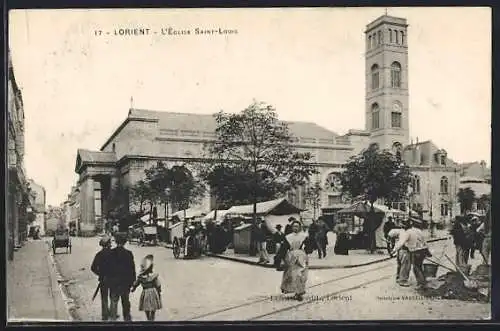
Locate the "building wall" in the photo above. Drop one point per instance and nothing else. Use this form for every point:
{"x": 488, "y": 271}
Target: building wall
{"x": 18, "y": 200}
{"x": 431, "y": 198}
{"x": 136, "y": 138}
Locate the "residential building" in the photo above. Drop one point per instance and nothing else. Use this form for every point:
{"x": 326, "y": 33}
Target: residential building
{"x": 18, "y": 198}
{"x": 38, "y": 204}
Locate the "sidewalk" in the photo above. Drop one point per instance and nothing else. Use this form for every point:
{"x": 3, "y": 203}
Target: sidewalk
{"x": 32, "y": 290}
{"x": 356, "y": 258}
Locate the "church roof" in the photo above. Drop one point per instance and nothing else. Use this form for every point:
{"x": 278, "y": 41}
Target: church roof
{"x": 425, "y": 156}
{"x": 207, "y": 123}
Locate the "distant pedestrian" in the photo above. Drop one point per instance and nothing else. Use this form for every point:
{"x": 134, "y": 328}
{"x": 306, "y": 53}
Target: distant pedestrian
{"x": 261, "y": 240}
{"x": 463, "y": 238}
{"x": 342, "y": 241}
{"x": 101, "y": 267}
{"x": 278, "y": 237}
{"x": 320, "y": 237}
{"x": 288, "y": 227}
{"x": 485, "y": 230}
{"x": 122, "y": 276}
{"x": 388, "y": 226}
{"x": 477, "y": 236}
{"x": 150, "y": 300}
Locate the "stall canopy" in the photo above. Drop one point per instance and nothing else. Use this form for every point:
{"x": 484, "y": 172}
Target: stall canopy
{"x": 361, "y": 208}
{"x": 221, "y": 213}
{"x": 274, "y": 212}
{"x": 188, "y": 214}
{"x": 273, "y": 207}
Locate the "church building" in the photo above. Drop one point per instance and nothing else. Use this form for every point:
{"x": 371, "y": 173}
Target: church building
{"x": 147, "y": 136}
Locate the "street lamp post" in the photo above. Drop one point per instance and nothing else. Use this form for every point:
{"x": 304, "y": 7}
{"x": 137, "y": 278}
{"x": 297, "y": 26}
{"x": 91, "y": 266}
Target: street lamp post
{"x": 167, "y": 195}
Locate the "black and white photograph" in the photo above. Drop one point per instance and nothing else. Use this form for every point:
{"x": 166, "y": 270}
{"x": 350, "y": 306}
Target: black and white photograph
{"x": 251, "y": 164}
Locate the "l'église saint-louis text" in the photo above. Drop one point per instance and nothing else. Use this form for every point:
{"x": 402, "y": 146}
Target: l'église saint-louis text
{"x": 172, "y": 31}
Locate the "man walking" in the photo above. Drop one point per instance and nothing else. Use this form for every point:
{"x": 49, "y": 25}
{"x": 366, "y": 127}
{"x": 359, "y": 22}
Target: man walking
{"x": 122, "y": 276}
{"x": 320, "y": 237}
{"x": 100, "y": 267}
{"x": 260, "y": 238}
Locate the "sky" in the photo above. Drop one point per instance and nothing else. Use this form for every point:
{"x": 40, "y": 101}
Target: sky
{"x": 309, "y": 63}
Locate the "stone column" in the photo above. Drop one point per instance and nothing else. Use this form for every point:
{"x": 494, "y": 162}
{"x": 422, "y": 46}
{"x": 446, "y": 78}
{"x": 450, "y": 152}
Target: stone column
{"x": 87, "y": 225}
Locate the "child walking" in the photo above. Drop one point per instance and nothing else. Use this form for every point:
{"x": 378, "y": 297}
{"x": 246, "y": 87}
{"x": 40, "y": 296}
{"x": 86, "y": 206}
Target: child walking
{"x": 150, "y": 300}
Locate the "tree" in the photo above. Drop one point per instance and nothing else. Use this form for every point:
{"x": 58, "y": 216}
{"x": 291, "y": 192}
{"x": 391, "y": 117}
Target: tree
{"x": 185, "y": 189}
{"x": 257, "y": 147}
{"x": 141, "y": 193}
{"x": 375, "y": 174}
{"x": 484, "y": 202}
{"x": 313, "y": 196}
{"x": 466, "y": 198}
{"x": 159, "y": 178}
{"x": 117, "y": 203}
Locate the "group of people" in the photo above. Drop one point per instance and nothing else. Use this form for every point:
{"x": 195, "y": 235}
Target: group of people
{"x": 410, "y": 247}
{"x": 117, "y": 276}
{"x": 471, "y": 233}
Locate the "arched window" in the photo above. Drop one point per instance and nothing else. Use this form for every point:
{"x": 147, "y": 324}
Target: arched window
{"x": 397, "y": 149}
{"x": 375, "y": 77}
{"x": 375, "y": 116}
{"x": 415, "y": 184}
{"x": 396, "y": 37}
{"x": 396, "y": 75}
{"x": 444, "y": 185}
{"x": 402, "y": 38}
{"x": 390, "y": 36}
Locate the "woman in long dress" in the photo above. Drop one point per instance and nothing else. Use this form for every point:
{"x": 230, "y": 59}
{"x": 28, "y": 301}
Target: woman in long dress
{"x": 295, "y": 262}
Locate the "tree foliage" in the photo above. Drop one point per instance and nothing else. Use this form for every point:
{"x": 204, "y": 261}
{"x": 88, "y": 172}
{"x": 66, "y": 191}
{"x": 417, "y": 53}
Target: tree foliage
{"x": 175, "y": 186}
{"x": 372, "y": 175}
{"x": 484, "y": 202}
{"x": 253, "y": 157}
{"x": 376, "y": 174}
{"x": 466, "y": 197}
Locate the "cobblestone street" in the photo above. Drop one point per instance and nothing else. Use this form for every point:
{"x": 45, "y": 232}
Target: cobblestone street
{"x": 216, "y": 289}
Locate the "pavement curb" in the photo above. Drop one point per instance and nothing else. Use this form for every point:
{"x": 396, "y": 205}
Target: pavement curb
{"x": 270, "y": 266}
{"x": 57, "y": 281}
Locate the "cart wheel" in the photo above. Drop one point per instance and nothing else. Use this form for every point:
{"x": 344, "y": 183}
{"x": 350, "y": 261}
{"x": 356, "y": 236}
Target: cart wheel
{"x": 176, "y": 248}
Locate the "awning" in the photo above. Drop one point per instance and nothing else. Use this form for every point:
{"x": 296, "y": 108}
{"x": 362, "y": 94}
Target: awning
{"x": 189, "y": 214}
{"x": 275, "y": 207}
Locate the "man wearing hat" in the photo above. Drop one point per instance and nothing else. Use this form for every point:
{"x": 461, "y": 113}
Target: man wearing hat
{"x": 415, "y": 241}
{"x": 403, "y": 254}
{"x": 100, "y": 267}
{"x": 122, "y": 277}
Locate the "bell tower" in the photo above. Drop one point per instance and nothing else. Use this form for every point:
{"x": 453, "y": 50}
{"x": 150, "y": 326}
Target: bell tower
{"x": 386, "y": 61}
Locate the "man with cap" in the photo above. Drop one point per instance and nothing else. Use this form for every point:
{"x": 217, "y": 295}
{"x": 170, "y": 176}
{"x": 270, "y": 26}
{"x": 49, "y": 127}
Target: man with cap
{"x": 413, "y": 238}
{"x": 100, "y": 267}
{"x": 403, "y": 254}
{"x": 122, "y": 277}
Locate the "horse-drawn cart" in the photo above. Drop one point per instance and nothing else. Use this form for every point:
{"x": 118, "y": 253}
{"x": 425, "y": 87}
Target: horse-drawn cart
{"x": 61, "y": 240}
{"x": 191, "y": 245}
{"x": 149, "y": 235}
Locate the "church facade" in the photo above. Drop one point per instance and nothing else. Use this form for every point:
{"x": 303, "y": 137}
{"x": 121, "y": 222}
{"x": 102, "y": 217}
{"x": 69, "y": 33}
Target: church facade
{"x": 146, "y": 137}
